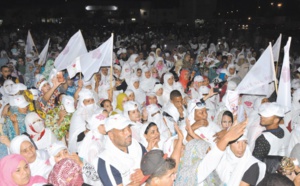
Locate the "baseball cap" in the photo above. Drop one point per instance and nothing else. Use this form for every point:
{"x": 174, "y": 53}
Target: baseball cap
{"x": 68, "y": 103}
{"x": 55, "y": 148}
{"x": 17, "y": 87}
{"x": 18, "y": 101}
{"x": 271, "y": 109}
{"x": 151, "y": 162}
{"x": 198, "y": 79}
{"x": 117, "y": 121}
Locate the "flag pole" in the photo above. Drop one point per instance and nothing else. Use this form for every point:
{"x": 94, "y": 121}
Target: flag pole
{"x": 275, "y": 80}
{"x": 276, "y": 68}
{"x": 111, "y": 67}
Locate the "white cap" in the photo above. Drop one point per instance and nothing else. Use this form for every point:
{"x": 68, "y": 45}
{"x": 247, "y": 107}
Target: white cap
{"x": 55, "y": 148}
{"x": 231, "y": 85}
{"x": 17, "y": 87}
{"x": 204, "y": 89}
{"x": 152, "y": 108}
{"x": 153, "y": 46}
{"x": 68, "y": 103}
{"x": 18, "y": 101}
{"x": 157, "y": 87}
{"x": 271, "y": 109}
{"x": 35, "y": 93}
{"x": 40, "y": 80}
{"x": 198, "y": 79}
{"x": 117, "y": 121}
{"x": 98, "y": 118}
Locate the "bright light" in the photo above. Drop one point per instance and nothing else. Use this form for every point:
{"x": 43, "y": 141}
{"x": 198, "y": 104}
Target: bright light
{"x": 237, "y": 10}
{"x": 279, "y": 5}
{"x": 133, "y": 19}
{"x": 258, "y": 7}
{"x": 249, "y": 18}
{"x": 272, "y": 4}
{"x": 231, "y": 11}
{"x": 88, "y": 8}
{"x": 219, "y": 13}
{"x": 230, "y": 29}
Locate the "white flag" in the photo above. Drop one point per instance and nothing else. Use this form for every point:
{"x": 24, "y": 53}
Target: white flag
{"x": 43, "y": 54}
{"x": 102, "y": 56}
{"x": 29, "y": 44}
{"x": 276, "y": 49}
{"x": 75, "y": 47}
{"x": 284, "y": 89}
{"x": 74, "y": 68}
{"x": 232, "y": 101}
{"x": 259, "y": 77}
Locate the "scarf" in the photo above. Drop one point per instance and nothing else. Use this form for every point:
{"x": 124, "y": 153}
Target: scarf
{"x": 182, "y": 79}
{"x": 35, "y": 126}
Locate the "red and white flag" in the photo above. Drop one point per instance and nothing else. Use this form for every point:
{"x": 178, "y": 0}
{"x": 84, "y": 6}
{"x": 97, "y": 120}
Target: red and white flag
{"x": 284, "y": 89}
{"x": 29, "y": 44}
{"x": 75, "y": 47}
{"x": 43, "y": 54}
{"x": 74, "y": 68}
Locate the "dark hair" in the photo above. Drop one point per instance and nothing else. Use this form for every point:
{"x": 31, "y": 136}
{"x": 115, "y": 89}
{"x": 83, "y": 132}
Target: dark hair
{"x": 103, "y": 102}
{"x": 4, "y": 66}
{"x": 174, "y": 94}
{"x": 167, "y": 165}
{"x": 275, "y": 179}
{"x": 228, "y": 113}
{"x": 151, "y": 124}
{"x": 57, "y": 98}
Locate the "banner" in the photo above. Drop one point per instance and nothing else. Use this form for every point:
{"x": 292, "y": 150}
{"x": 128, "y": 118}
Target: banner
{"x": 276, "y": 49}
{"x": 29, "y": 44}
{"x": 43, "y": 54}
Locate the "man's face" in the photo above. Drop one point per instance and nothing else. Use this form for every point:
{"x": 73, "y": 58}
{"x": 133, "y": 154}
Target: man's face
{"x": 121, "y": 138}
{"x": 266, "y": 121}
{"x": 104, "y": 71}
{"x": 177, "y": 101}
{"x": 200, "y": 114}
{"x": 89, "y": 101}
{"x": 5, "y": 72}
{"x": 238, "y": 148}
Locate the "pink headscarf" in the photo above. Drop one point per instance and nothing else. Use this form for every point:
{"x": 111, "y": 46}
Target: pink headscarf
{"x": 8, "y": 165}
{"x": 63, "y": 170}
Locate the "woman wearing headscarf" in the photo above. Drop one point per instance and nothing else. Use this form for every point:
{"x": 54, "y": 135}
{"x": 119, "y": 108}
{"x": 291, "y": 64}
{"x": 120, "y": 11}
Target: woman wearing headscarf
{"x": 160, "y": 66}
{"x": 29, "y": 76}
{"x": 86, "y": 106}
{"x": 238, "y": 166}
{"x": 224, "y": 119}
{"x": 132, "y": 112}
{"x": 134, "y": 85}
{"x": 14, "y": 171}
{"x": 59, "y": 151}
{"x": 150, "y": 136}
{"x": 66, "y": 172}
{"x": 194, "y": 153}
{"x": 35, "y": 127}
{"x": 184, "y": 78}
{"x": 231, "y": 72}
{"x": 121, "y": 99}
{"x": 158, "y": 90}
{"x": 38, "y": 160}
{"x": 176, "y": 69}
{"x": 168, "y": 87}
{"x": 15, "y": 123}
{"x": 58, "y": 120}
{"x": 147, "y": 81}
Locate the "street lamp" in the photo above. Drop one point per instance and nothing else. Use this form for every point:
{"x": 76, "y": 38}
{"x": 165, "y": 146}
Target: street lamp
{"x": 279, "y": 5}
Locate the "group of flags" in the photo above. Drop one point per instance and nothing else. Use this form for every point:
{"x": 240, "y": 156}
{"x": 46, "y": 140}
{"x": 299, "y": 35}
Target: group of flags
{"x": 75, "y": 57}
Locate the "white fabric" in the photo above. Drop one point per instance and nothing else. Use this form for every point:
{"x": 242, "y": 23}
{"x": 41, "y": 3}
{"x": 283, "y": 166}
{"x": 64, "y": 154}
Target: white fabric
{"x": 147, "y": 84}
{"x": 40, "y": 166}
{"x": 125, "y": 163}
{"x": 276, "y": 48}
{"x": 73, "y": 49}
{"x": 43, "y": 54}
{"x": 29, "y": 44}
{"x": 279, "y": 146}
{"x": 15, "y": 143}
{"x": 231, "y": 168}
{"x": 47, "y": 140}
{"x": 295, "y": 138}
{"x": 140, "y": 95}
{"x": 284, "y": 88}
{"x": 167, "y": 88}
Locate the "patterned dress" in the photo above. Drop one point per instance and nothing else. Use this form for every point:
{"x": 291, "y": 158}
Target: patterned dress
{"x": 52, "y": 117}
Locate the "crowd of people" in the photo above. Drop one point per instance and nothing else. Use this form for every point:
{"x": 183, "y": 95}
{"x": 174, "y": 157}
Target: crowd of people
{"x": 157, "y": 116}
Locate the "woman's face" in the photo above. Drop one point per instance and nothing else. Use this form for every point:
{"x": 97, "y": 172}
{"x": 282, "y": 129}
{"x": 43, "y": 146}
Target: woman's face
{"x": 231, "y": 71}
{"x": 226, "y": 121}
{"x": 171, "y": 80}
{"x": 117, "y": 71}
{"x": 152, "y": 99}
{"x": 21, "y": 175}
{"x": 147, "y": 74}
{"x": 125, "y": 99}
{"x": 30, "y": 68}
{"x": 136, "y": 84}
{"x": 159, "y": 92}
{"x": 61, "y": 155}
{"x": 186, "y": 75}
{"x": 134, "y": 115}
{"x": 107, "y": 106}
{"x": 139, "y": 73}
{"x": 131, "y": 97}
{"x": 23, "y": 110}
{"x": 45, "y": 88}
{"x": 27, "y": 150}
{"x": 89, "y": 101}
{"x": 152, "y": 134}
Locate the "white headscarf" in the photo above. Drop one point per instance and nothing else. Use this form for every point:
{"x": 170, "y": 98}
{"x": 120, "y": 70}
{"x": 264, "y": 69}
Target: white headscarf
{"x": 140, "y": 95}
{"x": 147, "y": 84}
{"x": 35, "y": 126}
{"x": 15, "y": 143}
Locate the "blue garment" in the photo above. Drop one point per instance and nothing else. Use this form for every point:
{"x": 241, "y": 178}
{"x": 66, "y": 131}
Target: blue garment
{"x": 3, "y": 151}
{"x": 8, "y": 128}
{"x": 71, "y": 90}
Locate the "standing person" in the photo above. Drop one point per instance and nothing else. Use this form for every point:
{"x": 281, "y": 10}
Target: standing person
{"x": 6, "y": 74}
{"x": 275, "y": 139}
{"x": 119, "y": 163}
